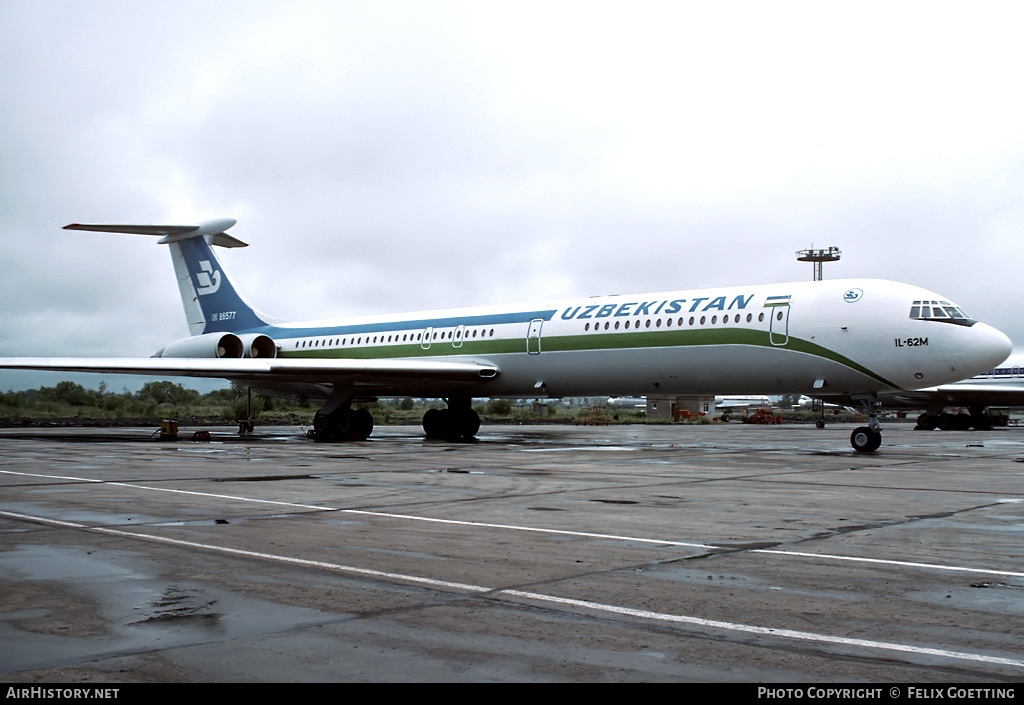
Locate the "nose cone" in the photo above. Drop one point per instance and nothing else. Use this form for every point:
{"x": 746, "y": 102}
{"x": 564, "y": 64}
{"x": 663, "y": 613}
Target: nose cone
{"x": 987, "y": 348}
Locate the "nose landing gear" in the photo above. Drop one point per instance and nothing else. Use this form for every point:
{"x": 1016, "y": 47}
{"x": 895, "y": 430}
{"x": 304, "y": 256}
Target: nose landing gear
{"x": 867, "y": 439}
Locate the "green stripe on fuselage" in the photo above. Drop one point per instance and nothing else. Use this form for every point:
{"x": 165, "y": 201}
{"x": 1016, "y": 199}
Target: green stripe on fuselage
{"x": 704, "y": 337}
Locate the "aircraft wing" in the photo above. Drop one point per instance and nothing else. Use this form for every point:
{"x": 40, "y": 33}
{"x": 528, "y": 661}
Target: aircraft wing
{"x": 343, "y": 372}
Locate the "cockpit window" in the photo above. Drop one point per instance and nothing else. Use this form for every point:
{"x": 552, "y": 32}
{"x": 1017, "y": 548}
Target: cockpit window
{"x": 941, "y": 311}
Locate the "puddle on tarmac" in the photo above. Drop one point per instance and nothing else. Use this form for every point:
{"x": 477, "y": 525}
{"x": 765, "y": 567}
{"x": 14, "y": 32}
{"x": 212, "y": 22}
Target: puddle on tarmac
{"x": 137, "y": 609}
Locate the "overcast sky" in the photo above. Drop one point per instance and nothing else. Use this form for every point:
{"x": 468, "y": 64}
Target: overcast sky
{"x": 395, "y": 156}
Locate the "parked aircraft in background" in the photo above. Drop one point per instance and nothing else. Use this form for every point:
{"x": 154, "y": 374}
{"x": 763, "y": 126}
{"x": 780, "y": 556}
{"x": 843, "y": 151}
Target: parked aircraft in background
{"x": 723, "y": 404}
{"x": 728, "y": 406}
{"x": 626, "y": 403}
{"x": 742, "y": 401}
{"x": 858, "y": 338}
{"x": 812, "y": 404}
{"x": 1001, "y": 386}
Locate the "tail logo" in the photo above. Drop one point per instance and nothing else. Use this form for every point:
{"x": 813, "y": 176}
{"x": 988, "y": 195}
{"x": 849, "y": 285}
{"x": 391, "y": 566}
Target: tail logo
{"x": 208, "y": 278}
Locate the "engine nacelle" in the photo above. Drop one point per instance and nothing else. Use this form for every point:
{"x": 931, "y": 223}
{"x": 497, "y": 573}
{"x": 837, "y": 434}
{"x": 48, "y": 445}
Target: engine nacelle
{"x": 258, "y": 345}
{"x": 208, "y": 345}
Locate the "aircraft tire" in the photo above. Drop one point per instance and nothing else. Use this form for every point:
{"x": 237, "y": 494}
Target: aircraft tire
{"x": 467, "y": 423}
{"x": 434, "y": 422}
{"x": 450, "y": 425}
{"x": 865, "y": 440}
{"x": 337, "y": 425}
{"x": 321, "y": 426}
{"x": 982, "y": 422}
{"x": 361, "y": 424}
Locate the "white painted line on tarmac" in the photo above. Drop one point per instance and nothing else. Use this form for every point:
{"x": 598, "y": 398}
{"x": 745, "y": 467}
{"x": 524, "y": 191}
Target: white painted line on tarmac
{"x": 248, "y": 554}
{"x": 547, "y": 599}
{"x": 168, "y": 489}
{"x": 770, "y": 631}
{"x": 513, "y": 527}
{"x": 407, "y": 517}
{"x": 908, "y": 564}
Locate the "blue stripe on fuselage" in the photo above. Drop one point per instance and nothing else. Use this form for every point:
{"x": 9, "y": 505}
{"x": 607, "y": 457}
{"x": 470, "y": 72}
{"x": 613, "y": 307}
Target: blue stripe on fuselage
{"x": 492, "y": 319}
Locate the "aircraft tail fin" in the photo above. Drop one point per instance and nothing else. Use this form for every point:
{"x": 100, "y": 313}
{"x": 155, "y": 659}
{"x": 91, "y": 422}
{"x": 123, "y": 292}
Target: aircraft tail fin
{"x": 211, "y": 303}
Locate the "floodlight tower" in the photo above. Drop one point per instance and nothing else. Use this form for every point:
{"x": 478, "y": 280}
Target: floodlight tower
{"x": 832, "y": 254}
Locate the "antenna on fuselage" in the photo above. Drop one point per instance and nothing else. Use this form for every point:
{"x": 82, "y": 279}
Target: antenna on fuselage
{"x": 832, "y": 254}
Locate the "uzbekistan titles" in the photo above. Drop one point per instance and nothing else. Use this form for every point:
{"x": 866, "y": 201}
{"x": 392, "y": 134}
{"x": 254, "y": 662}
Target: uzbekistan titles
{"x": 653, "y": 308}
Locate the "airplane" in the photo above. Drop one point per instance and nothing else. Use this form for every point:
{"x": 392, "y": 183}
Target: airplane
{"x": 726, "y": 406}
{"x": 1002, "y": 386}
{"x": 626, "y": 403}
{"x": 742, "y": 401}
{"x": 855, "y": 337}
{"x": 806, "y": 402}
{"x": 730, "y": 403}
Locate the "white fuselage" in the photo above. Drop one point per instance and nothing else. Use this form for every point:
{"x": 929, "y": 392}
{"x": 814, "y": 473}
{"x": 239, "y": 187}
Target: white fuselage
{"x": 841, "y": 337}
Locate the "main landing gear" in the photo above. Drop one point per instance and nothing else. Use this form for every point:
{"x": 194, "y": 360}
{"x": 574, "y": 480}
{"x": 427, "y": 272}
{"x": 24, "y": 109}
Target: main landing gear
{"x": 342, "y": 424}
{"x": 456, "y": 423}
{"x": 867, "y": 439}
{"x": 978, "y": 419}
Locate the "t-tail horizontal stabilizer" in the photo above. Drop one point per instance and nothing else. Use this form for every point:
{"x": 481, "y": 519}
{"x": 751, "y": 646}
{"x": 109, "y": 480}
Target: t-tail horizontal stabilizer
{"x": 211, "y": 303}
{"x": 172, "y": 233}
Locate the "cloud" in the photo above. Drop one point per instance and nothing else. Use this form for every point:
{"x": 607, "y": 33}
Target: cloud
{"x": 391, "y": 156}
